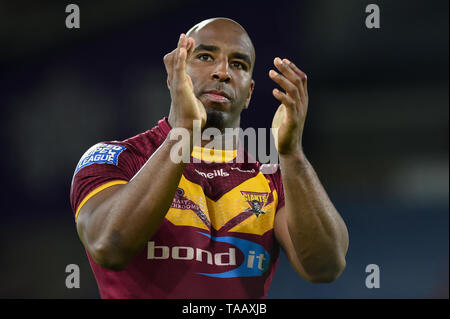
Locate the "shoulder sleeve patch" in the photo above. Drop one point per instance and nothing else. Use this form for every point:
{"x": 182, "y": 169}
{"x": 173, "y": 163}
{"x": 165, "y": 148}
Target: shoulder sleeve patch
{"x": 100, "y": 154}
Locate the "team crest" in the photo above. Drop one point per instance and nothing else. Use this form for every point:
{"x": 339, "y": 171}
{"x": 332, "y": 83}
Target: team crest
{"x": 257, "y": 202}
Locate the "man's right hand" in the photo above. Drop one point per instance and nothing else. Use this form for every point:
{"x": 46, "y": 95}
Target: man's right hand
{"x": 185, "y": 106}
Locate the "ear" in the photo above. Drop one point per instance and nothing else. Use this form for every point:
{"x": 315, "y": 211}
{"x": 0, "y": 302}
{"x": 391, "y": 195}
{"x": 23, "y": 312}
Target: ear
{"x": 250, "y": 91}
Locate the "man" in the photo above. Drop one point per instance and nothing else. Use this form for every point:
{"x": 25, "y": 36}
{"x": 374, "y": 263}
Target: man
{"x": 158, "y": 228}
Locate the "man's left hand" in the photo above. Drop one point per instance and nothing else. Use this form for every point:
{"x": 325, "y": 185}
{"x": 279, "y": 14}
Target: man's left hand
{"x": 291, "y": 114}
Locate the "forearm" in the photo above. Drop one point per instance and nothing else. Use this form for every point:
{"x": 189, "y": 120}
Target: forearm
{"x": 133, "y": 214}
{"x": 127, "y": 216}
{"x": 317, "y": 231}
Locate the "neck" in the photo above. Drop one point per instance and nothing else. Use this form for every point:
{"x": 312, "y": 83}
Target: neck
{"x": 225, "y": 141}
{"x": 225, "y": 137}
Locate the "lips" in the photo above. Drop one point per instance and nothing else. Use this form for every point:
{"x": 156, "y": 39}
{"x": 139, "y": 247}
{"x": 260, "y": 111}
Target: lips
{"x": 217, "y": 96}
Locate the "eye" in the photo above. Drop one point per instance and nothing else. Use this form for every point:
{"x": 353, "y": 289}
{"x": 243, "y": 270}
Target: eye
{"x": 239, "y": 65}
{"x": 205, "y": 57}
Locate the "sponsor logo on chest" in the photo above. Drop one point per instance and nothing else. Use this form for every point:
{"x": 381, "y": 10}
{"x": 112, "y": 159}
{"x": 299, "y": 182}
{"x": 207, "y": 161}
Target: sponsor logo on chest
{"x": 255, "y": 263}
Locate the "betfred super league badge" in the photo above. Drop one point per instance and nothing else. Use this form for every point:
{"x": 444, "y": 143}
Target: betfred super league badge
{"x": 256, "y": 200}
{"x": 100, "y": 154}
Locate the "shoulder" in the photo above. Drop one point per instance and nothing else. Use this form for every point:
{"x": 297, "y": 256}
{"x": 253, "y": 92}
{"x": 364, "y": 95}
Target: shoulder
{"x": 272, "y": 172}
{"x": 269, "y": 169}
{"x": 147, "y": 142}
{"x": 101, "y": 153}
{"x": 130, "y": 151}
{"x": 120, "y": 154}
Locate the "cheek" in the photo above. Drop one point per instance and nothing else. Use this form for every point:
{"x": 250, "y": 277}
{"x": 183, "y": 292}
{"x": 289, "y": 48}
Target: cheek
{"x": 245, "y": 89}
{"x": 189, "y": 70}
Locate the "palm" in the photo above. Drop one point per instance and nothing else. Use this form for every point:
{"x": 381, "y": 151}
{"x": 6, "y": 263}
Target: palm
{"x": 200, "y": 108}
{"x": 283, "y": 130}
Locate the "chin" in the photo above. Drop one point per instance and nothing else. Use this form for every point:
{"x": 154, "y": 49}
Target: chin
{"x": 215, "y": 118}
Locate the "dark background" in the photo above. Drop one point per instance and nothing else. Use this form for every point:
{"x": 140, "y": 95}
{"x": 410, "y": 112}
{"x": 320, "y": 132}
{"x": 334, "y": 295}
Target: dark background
{"x": 376, "y": 131}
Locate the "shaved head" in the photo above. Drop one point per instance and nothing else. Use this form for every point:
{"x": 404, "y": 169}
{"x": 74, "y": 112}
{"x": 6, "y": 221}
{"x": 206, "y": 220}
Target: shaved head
{"x": 204, "y": 23}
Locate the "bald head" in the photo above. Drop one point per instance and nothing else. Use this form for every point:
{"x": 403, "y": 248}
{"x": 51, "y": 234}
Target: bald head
{"x": 226, "y": 28}
{"x": 224, "y": 21}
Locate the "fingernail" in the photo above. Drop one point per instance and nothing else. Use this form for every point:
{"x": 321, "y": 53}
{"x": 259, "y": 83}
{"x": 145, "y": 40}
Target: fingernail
{"x": 286, "y": 61}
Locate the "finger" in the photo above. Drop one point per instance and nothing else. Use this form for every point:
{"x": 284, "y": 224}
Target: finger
{"x": 287, "y": 102}
{"x": 180, "y": 40}
{"x": 305, "y": 84}
{"x": 284, "y": 99}
{"x": 184, "y": 42}
{"x": 179, "y": 67}
{"x": 290, "y": 74}
{"x": 287, "y": 85}
{"x": 300, "y": 73}
{"x": 189, "y": 43}
{"x": 168, "y": 63}
{"x": 189, "y": 80}
{"x": 295, "y": 68}
{"x": 191, "y": 46}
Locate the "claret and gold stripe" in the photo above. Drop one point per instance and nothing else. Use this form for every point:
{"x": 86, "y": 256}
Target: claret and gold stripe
{"x": 96, "y": 191}
{"x": 213, "y": 155}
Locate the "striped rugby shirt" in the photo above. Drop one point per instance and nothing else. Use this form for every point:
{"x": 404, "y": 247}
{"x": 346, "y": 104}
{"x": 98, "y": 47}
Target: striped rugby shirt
{"x": 217, "y": 239}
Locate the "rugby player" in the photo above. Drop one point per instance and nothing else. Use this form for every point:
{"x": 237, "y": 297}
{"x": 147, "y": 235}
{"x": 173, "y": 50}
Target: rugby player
{"x": 153, "y": 227}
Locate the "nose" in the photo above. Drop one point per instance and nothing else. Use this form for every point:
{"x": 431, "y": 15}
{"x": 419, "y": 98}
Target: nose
{"x": 221, "y": 73}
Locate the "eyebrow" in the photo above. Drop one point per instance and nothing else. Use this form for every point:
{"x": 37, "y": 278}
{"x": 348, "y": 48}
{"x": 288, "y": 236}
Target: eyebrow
{"x": 204, "y": 47}
{"x": 213, "y": 48}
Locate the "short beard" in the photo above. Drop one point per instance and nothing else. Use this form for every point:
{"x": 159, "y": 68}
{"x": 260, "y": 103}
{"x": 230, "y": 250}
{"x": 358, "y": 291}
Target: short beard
{"x": 215, "y": 119}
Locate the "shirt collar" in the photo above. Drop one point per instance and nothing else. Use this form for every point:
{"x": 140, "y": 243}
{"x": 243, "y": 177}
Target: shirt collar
{"x": 202, "y": 153}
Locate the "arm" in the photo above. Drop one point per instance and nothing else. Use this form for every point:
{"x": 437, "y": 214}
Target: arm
{"x": 309, "y": 227}
{"x": 318, "y": 233}
{"x": 116, "y": 223}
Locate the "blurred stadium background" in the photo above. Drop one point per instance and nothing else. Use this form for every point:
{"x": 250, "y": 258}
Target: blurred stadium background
{"x": 376, "y": 133}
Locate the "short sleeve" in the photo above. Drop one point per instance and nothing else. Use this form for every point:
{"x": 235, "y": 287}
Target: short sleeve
{"x": 273, "y": 173}
{"x": 102, "y": 166}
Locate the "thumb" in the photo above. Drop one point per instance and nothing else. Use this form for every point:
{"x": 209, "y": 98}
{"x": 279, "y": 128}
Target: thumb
{"x": 189, "y": 80}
